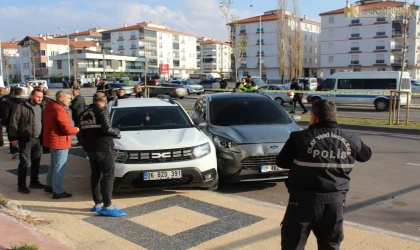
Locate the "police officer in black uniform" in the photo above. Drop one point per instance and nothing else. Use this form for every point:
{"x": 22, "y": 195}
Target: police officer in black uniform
{"x": 320, "y": 160}
{"x": 297, "y": 98}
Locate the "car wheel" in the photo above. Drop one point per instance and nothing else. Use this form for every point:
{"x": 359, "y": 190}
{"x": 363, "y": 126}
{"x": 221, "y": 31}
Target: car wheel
{"x": 381, "y": 105}
{"x": 182, "y": 97}
{"x": 198, "y": 93}
{"x": 279, "y": 100}
{"x": 215, "y": 186}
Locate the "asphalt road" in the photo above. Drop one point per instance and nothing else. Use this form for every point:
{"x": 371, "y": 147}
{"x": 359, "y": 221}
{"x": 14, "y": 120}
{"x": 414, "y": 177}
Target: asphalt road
{"x": 344, "y": 111}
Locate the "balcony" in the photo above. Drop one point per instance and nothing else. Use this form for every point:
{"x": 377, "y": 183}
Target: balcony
{"x": 381, "y": 34}
{"x": 183, "y": 58}
{"x": 183, "y": 42}
{"x": 381, "y": 20}
{"x": 397, "y": 48}
{"x": 147, "y": 37}
{"x": 133, "y": 67}
{"x": 397, "y": 33}
{"x": 260, "y": 30}
{"x": 149, "y": 47}
{"x": 397, "y": 62}
{"x": 151, "y": 55}
{"x": 355, "y": 36}
{"x": 354, "y": 50}
{"x": 133, "y": 38}
{"x": 398, "y": 19}
{"x": 120, "y": 38}
{"x": 153, "y": 64}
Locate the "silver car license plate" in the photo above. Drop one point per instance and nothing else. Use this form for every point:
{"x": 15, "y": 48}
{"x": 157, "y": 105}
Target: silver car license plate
{"x": 270, "y": 168}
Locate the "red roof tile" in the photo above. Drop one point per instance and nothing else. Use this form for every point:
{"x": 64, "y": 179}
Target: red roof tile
{"x": 8, "y": 45}
{"x": 62, "y": 41}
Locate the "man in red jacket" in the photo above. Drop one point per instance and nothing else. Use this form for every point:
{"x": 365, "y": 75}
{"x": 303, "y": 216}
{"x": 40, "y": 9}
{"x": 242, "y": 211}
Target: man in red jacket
{"x": 57, "y": 137}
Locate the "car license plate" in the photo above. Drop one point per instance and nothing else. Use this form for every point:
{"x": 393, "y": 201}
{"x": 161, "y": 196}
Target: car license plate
{"x": 270, "y": 168}
{"x": 162, "y": 175}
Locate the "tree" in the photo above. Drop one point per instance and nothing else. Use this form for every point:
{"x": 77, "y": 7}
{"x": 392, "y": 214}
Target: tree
{"x": 73, "y": 49}
{"x": 296, "y": 41}
{"x": 35, "y": 58}
{"x": 282, "y": 38}
{"x": 5, "y": 56}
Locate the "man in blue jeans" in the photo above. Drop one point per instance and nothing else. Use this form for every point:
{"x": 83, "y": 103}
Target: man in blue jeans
{"x": 57, "y": 136}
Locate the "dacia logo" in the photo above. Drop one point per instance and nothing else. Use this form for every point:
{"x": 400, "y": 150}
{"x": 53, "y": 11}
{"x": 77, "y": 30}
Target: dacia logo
{"x": 160, "y": 155}
{"x": 352, "y": 11}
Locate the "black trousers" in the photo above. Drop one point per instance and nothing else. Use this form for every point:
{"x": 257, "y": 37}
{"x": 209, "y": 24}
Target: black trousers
{"x": 325, "y": 220}
{"x": 298, "y": 100}
{"x": 1, "y": 134}
{"x": 29, "y": 154}
{"x": 76, "y": 124}
{"x": 102, "y": 163}
{"x": 13, "y": 150}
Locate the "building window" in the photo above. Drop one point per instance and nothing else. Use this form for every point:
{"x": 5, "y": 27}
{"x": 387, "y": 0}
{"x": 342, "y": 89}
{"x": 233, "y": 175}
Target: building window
{"x": 306, "y": 37}
{"x": 355, "y": 21}
{"x": 42, "y": 52}
{"x": 310, "y": 49}
{"x": 330, "y": 33}
{"x": 357, "y": 70}
{"x": 354, "y": 46}
{"x": 380, "y": 58}
{"x": 381, "y": 69}
{"x": 260, "y": 28}
{"x": 380, "y": 45}
{"x": 160, "y": 45}
{"x": 310, "y": 60}
{"x": 243, "y": 29}
{"x": 120, "y": 36}
{"x": 120, "y": 45}
{"x": 331, "y": 59}
{"x": 380, "y": 30}
{"x": 332, "y": 71}
{"x": 354, "y": 59}
{"x": 355, "y": 32}
{"x": 305, "y": 61}
{"x": 316, "y": 60}
{"x": 310, "y": 38}
{"x": 331, "y": 46}
{"x": 245, "y": 73}
{"x": 262, "y": 40}
{"x": 305, "y": 49}
{"x": 316, "y": 50}
{"x": 59, "y": 64}
{"x": 331, "y": 19}
{"x": 316, "y": 39}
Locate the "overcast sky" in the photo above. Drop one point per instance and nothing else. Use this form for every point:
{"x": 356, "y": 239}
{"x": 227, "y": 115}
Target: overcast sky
{"x": 19, "y": 18}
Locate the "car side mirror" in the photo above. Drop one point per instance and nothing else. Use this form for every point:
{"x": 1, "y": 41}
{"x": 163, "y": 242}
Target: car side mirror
{"x": 202, "y": 124}
{"x": 296, "y": 118}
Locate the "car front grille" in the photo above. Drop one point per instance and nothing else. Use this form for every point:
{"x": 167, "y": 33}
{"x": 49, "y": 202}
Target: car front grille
{"x": 140, "y": 183}
{"x": 254, "y": 163}
{"x": 159, "y": 156}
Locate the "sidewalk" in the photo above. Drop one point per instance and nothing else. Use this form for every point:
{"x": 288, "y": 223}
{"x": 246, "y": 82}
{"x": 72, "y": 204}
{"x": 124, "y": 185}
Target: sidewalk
{"x": 181, "y": 219}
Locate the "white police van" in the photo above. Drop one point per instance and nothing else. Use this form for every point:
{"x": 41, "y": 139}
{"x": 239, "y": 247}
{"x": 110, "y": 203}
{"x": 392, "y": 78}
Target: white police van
{"x": 372, "y": 88}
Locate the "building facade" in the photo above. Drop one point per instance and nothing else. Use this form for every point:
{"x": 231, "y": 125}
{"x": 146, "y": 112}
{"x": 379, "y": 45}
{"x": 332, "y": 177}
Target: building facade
{"x": 92, "y": 35}
{"x": 91, "y": 64}
{"x": 10, "y": 61}
{"x": 35, "y": 53}
{"x": 166, "y": 52}
{"x": 215, "y": 57}
{"x": 250, "y": 63}
{"x": 373, "y": 43}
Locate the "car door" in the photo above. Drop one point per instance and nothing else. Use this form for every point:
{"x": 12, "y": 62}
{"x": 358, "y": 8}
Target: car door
{"x": 415, "y": 86}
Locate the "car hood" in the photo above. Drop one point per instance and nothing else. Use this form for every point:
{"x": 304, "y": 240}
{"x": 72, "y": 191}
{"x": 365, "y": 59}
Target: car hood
{"x": 195, "y": 86}
{"x": 160, "y": 139}
{"x": 255, "y": 133}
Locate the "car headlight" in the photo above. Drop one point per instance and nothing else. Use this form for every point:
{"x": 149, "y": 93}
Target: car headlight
{"x": 201, "y": 151}
{"x": 120, "y": 156}
{"x": 224, "y": 143}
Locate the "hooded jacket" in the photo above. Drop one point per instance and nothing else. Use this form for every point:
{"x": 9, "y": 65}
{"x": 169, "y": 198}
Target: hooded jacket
{"x": 9, "y": 108}
{"x": 57, "y": 128}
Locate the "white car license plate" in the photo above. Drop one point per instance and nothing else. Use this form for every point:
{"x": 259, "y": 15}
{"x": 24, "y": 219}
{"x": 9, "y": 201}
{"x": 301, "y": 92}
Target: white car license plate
{"x": 162, "y": 175}
{"x": 270, "y": 168}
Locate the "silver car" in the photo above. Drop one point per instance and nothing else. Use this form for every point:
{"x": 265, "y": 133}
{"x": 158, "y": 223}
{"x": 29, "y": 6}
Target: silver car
{"x": 280, "y": 97}
{"x": 248, "y": 130}
{"x": 191, "y": 86}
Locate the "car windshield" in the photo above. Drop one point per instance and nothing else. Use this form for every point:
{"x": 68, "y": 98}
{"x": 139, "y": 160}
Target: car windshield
{"x": 239, "y": 111}
{"x": 258, "y": 81}
{"x": 189, "y": 83}
{"x": 150, "y": 118}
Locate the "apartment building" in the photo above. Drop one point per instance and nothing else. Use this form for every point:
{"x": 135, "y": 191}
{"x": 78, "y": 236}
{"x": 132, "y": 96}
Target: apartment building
{"x": 40, "y": 49}
{"x": 92, "y": 64}
{"x": 162, "y": 47}
{"x": 250, "y": 64}
{"x": 370, "y": 41}
{"x": 92, "y": 35}
{"x": 10, "y": 55}
{"x": 215, "y": 57}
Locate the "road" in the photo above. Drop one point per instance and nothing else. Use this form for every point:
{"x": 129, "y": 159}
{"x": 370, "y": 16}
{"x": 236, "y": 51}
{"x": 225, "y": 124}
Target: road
{"x": 344, "y": 111}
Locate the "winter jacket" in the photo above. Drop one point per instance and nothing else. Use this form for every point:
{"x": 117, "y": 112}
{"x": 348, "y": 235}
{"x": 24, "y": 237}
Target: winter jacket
{"x": 9, "y": 107}
{"x": 96, "y": 132}
{"x": 22, "y": 123}
{"x": 320, "y": 160}
{"x": 296, "y": 86}
{"x": 77, "y": 106}
{"x": 57, "y": 128}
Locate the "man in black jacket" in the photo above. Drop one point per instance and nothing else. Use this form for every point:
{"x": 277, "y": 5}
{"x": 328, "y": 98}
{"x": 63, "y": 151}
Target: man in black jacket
{"x": 223, "y": 83}
{"x": 3, "y": 93}
{"x": 320, "y": 160}
{"x": 297, "y": 97}
{"x": 45, "y": 100}
{"x": 77, "y": 106}
{"x": 97, "y": 139}
{"x": 138, "y": 92}
{"x": 121, "y": 94}
{"x": 24, "y": 129}
{"x": 7, "y": 109}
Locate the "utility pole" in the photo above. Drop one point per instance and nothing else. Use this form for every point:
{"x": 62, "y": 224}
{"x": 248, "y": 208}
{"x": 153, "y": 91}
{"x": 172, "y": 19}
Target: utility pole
{"x": 404, "y": 27}
{"x": 103, "y": 63}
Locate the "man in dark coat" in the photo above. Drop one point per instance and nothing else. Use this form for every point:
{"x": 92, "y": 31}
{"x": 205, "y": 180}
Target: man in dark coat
{"x": 77, "y": 107}
{"x": 297, "y": 98}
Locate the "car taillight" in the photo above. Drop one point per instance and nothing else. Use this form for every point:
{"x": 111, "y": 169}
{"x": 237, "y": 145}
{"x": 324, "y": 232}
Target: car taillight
{"x": 289, "y": 94}
{"x": 174, "y": 90}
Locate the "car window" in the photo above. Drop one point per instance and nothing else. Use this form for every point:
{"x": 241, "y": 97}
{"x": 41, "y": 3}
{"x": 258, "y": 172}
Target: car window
{"x": 197, "y": 107}
{"x": 149, "y": 118}
{"x": 263, "y": 88}
{"x": 235, "y": 111}
{"x": 328, "y": 84}
{"x": 203, "y": 110}
{"x": 273, "y": 88}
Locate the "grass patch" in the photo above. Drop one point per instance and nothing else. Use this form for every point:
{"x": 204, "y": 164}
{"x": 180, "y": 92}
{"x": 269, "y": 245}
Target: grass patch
{"x": 370, "y": 122}
{"x": 26, "y": 247}
{"x": 3, "y": 200}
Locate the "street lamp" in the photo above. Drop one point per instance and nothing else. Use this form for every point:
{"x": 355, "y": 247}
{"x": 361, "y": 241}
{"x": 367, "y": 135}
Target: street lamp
{"x": 260, "y": 64}
{"x": 68, "y": 50}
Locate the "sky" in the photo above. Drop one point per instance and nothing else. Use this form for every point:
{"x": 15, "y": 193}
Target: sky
{"x": 19, "y": 18}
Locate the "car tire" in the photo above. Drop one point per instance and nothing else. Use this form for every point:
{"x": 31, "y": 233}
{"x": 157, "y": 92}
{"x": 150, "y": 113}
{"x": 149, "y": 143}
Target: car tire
{"x": 198, "y": 93}
{"x": 381, "y": 105}
{"x": 215, "y": 186}
{"x": 182, "y": 97}
{"x": 279, "y": 100}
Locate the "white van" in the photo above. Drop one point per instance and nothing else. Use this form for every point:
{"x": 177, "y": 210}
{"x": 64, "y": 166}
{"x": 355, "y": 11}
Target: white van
{"x": 37, "y": 82}
{"x": 211, "y": 76}
{"x": 374, "y": 88}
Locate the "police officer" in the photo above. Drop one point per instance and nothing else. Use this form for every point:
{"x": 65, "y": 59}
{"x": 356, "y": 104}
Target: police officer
{"x": 96, "y": 134}
{"x": 297, "y": 98}
{"x": 320, "y": 160}
{"x": 248, "y": 87}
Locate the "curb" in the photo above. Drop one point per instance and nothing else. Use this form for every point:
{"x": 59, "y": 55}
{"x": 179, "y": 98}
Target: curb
{"x": 406, "y": 131}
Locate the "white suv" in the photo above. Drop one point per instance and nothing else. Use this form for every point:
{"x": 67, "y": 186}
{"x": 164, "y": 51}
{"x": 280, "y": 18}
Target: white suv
{"x": 160, "y": 147}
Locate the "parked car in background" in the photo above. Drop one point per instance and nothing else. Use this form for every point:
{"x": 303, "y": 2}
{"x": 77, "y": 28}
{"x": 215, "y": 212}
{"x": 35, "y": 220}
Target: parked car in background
{"x": 191, "y": 86}
{"x": 209, "y": 83}
{"x": 116, "y": 86}
{"x": 280, "y": 97}
{"x": 310, "y": 83}
{"x": 415, "y": 86}
{"x": 155, "y": 82}
{"x": 37, "y": 82}
{"x": 170, "y": 89}
{"x": 248, "y": 130}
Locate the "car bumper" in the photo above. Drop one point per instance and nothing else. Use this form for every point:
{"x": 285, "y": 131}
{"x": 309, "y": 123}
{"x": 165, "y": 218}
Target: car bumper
{"x": 245, "y": 164}
{"x": 129, "y": 177}
{"x": 195, "y": 91}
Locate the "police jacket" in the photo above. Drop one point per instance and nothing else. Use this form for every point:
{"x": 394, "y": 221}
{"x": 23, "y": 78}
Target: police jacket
{"x": 96, "y": 132}
{"x": 320, "y": 160}
{"x": 296, "y": 86}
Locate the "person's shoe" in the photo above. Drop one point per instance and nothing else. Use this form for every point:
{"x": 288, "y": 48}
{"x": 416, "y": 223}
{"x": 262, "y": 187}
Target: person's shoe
{"x": 96, "y": 208}
{"x": 14, "y": 156}
{"x": 48, "y": 189}
{"x": 63, "y": 195}
{"x": 291, "y": 112}
{"x": 111, "y": 212}
{"x": 304, "y": 112}
{"x": 23, "y": 190}
{"x": 36, "y": 185}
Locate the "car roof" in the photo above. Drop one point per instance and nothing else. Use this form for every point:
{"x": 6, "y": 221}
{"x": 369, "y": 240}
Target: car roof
{"x": 222, "y": 96}
{"x": 143, "y": 102}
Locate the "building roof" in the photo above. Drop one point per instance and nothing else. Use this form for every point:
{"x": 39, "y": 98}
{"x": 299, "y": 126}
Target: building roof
{"x": 267, "y": 17}
{"x": 82, "y": 33}
{"x": 366, "y": 5}
{"x": 138, "y": 26}
{"x": 9, "y": 45}
{"x": 60, "y": 41}
{"x": 209, "y": 41}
